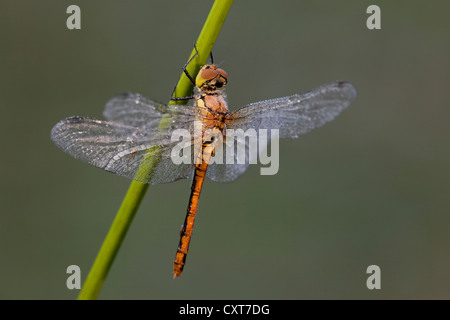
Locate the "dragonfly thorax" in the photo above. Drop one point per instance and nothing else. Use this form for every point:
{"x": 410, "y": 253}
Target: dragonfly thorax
{"x": 211, "y": 78}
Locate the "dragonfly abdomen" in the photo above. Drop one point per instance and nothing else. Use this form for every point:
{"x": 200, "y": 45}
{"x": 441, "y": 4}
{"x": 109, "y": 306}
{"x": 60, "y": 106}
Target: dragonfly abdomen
{"x": 186, "y": 230}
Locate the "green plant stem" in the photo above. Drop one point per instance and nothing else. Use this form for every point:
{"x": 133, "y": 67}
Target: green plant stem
{"x": 204, "y": 44}
{"x": 137, "y": 190}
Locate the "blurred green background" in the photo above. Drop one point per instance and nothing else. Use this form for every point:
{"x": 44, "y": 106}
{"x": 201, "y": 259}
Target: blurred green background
{"x": 372, "y": 187}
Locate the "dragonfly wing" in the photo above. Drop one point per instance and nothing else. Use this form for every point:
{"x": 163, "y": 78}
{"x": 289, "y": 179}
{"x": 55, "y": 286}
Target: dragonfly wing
{"x": 122, "y": 149}
{"x": 229, "y": 164}
{"x": 297, "y": 114}
{"x": 292, "y": 116}
{"x": 135, "y": 110}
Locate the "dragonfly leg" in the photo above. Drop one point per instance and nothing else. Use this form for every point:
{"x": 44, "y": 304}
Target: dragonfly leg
{"x": 211, "y": 56}
{"x": 187, "y": 75}
{"x": 181, "y": 98}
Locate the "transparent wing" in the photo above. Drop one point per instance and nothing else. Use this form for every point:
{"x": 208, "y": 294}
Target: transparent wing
{"x": 119, "y": 148}
{"x": 135, "y": 110}
{"x": 292, "y": 116}
{"x": 298, "y": 114}
{"x": 231, "y": 164}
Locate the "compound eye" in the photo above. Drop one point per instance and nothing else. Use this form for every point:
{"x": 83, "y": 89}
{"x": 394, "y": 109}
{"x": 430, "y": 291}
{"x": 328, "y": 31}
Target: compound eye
{"x": 222, "y": 73}
{"x": 208, "y": 74}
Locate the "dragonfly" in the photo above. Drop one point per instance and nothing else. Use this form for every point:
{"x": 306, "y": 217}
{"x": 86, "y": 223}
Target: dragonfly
{"x": 136, "y": 138}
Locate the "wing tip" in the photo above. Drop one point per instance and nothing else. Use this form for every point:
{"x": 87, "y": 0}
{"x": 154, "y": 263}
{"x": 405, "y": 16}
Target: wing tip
{"x": 57, "y": 127}
{"x": 125, "y": 95}
{"x": 349, "y": 89}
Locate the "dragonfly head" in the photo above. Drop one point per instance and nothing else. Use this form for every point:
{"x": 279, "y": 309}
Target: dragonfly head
{"x": 211, "y": 78}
